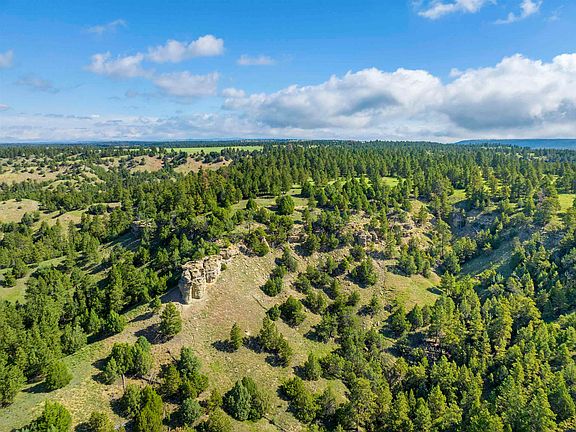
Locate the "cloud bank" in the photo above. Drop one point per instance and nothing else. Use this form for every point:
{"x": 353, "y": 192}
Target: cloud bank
{"x": 518, "y": 97}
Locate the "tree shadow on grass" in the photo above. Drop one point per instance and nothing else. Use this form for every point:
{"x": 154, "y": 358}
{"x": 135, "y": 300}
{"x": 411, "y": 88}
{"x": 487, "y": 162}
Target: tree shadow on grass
{"x": 99, "y": 364}
{"x": 223, "y": 346}
{"x": 151, "y": 334}
{"x": 39, "y": 387}
{"x": 143, "y": 317}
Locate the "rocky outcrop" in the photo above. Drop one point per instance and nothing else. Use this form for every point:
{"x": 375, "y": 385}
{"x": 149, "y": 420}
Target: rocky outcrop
{"x": 363, "y": 238}
{"x": 198, "y": 274}
{"x": 138, "y": 226}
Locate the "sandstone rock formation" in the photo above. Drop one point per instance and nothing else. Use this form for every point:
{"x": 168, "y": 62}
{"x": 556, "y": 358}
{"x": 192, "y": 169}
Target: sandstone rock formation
{"x": 363, "y": 238}
{"x": 138, "y": 226}
{"x": 198, "y": 274}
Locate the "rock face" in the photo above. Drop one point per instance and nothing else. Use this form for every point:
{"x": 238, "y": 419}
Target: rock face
{"x": 364, "y": 238}
{"x": 138, "y": 226}
{"x": 198, "y": 274}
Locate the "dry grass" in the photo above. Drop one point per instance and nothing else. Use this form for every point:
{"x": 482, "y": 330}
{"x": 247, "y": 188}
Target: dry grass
{"x": 192, "y": 165}
{"x": 151, "y": 164}
{"x": 13, "y": 210}
{"x": 235, "y": 297}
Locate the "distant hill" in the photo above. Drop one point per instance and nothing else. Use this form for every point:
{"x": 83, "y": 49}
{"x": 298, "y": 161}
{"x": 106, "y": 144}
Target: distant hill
{"x": 569, "y": 144}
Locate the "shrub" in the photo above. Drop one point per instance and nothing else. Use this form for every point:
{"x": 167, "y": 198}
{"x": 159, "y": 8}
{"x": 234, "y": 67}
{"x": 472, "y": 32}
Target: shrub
{"x": 99, "y": 422}
{"x": 292, "y": 311}
{"x": 58, "y": 376}
{"x": 190, "y": 411}
{"x": 273, "y": 286}
{"x": 218, "y": 421}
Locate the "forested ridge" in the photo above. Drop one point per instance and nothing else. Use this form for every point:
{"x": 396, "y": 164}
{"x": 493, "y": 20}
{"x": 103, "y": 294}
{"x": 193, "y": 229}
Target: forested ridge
{"x": 494, "y": 351}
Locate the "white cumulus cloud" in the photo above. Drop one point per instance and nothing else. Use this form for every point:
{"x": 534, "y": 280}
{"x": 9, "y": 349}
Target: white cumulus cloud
{"x": 184, "y": 84}
{"x": 119, "y": 67}
{"x": 527, "y": 8}
{"x": 109, "y": 27}
{"x": 174, "y": 51}
{"x": 518, "y": 96}
{"x": 438, "y": 8}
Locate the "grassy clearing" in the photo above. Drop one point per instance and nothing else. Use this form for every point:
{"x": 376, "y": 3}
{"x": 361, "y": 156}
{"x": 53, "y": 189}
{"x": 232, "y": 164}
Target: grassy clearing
{"x": 390, "y": 181}
{"x": 270, "y": 202}
{"x": 13, "y": 210}
{"x": 498, "y": 258}
{"x": 566, "y": 201}
{"x": 235, "y": 297}
{"x": 16, "y": 293}
{"x": 193, "y": 165}
{"x": 459, "y": 195}
{"x": 216, "y": 149}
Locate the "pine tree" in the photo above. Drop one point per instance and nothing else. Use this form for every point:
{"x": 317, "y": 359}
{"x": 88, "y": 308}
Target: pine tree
{"x": 236, "y": 338}
{"x": 170, "y": 321}
{"x": 312, "y": 369}
{"x": 58, "y": 376}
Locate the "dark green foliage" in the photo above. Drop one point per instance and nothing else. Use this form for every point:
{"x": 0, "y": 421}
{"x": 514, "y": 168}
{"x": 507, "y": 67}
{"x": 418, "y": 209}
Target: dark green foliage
{"x": 288, "y": 260}
{"x": 54, "y": 418}
{"x": 302, "y": 402}
{"x": 190, "y": 411}
{"x": 73, "y": 338}
{"x": 415, "y": 317}
{"x": 358, "y": 253}
{"x": 131, "y": 401}
{"x": 170, "y": 381}
{"x": 312, "y": 244}
{"x": 256, "y": 241}
{"x": 12, "y": 380}
{"x": 155, "y": 305}
{"x": 494, "y": 352}
{"x": 170, "y": 321}
{"x": 285, "y": 205}
{"x": 364, "y": 274}
{"x": 150, "y": 415}
{"x": 217, "y": 421}
{"x": 99, "y": 422}
{"x": 114, "y": 323}
{"x": 273, "y": 313}
{"x": 271, "y": 340}
{"x": 398, "y": 322}
{"x": 9, "y": 279}
{"x": 292, "y": 311}
{"x": 236, "y": 337}
{"x": 374, "y": 306}
{"x": 126, "y": 359}
{"x": 312, "y": 369}
{"x": 273, "y": 286}
{"x": 245, "y": 401}
{"x": 58, "y": 376}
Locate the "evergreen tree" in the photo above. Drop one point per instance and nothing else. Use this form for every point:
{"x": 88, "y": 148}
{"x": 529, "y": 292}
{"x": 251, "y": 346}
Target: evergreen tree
{"x": 170, "y": 321}
{"x": 236, "y": 338}
{"x": 58, "y": 376}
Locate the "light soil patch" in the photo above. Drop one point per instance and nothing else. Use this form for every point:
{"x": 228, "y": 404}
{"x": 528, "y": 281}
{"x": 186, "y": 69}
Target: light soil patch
{"x": 13, "y": 210}
{"x": 151, "y": 164}
{"x": 192, "y": 165}
{"x": 15, "y": 176}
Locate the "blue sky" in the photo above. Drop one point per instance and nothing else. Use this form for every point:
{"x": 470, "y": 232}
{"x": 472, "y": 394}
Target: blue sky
{"x": 389, "y": 69}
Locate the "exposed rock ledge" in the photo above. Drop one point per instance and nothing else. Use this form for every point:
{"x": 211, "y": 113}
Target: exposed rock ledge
{"x": 198, "y": 274}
